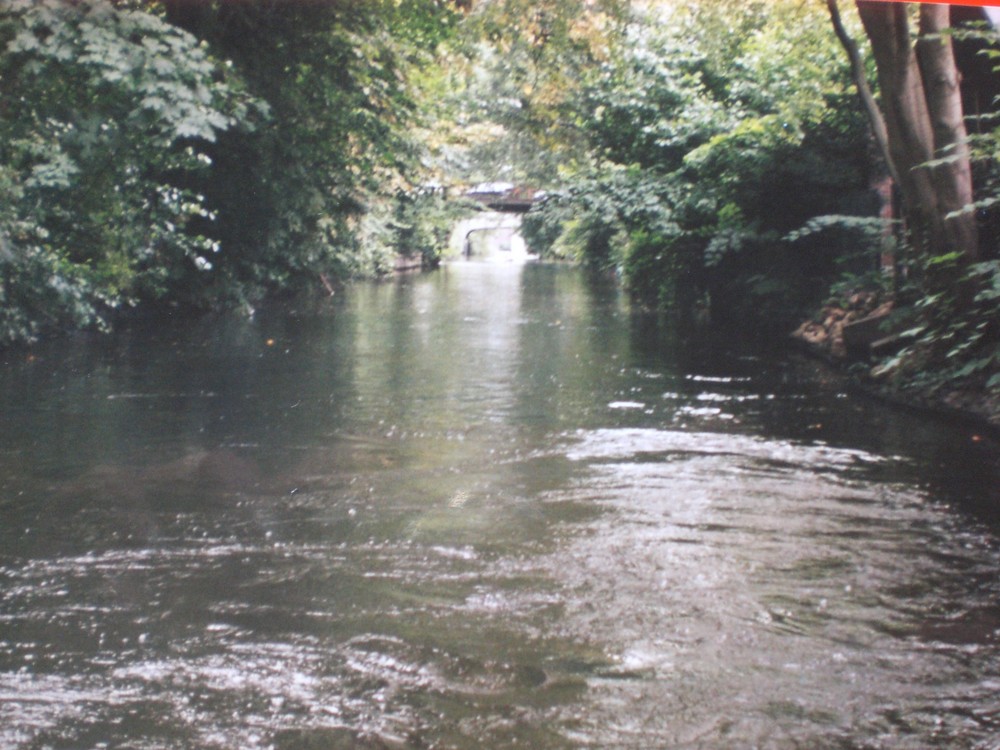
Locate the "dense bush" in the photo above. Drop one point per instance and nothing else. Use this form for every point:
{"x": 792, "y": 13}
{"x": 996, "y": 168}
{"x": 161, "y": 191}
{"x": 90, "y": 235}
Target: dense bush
{"x": 105, "y": 114}
{"x": 203, "y": 154}
{"x": 712, "y": 141}
{"x": 308, "y": 193}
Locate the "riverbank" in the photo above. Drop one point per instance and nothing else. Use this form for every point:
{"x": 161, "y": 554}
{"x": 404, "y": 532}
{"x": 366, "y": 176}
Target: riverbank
{"x": 825, "y": 339}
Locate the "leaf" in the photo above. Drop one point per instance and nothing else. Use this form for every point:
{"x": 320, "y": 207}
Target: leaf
{"x": 945, "y": 259}
{"x": 972, "y": 207}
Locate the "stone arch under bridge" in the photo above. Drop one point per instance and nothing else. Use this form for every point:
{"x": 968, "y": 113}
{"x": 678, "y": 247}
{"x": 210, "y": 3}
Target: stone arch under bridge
{"x": 505, "y": 226}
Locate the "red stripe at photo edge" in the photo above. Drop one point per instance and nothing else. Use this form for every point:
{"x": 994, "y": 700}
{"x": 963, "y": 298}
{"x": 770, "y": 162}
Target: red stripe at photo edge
{"x": 980, "y": 3}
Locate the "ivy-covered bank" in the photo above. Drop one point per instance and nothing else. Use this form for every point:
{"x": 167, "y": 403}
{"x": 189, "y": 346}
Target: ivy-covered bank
{"x": 197, "y": 155}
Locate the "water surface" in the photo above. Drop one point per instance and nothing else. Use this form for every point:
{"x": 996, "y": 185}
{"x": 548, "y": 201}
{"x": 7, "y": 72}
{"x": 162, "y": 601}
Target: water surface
{"x": 486, "y": 507}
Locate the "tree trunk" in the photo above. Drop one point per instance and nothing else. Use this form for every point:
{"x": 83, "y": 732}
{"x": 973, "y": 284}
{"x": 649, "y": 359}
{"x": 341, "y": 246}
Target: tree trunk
{"x": 952, "y": 178}
{"x": 923, "y": 117}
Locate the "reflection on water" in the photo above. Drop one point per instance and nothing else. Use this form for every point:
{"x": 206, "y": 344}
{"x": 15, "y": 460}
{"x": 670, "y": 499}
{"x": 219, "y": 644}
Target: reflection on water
{"x": 482, "y": 508}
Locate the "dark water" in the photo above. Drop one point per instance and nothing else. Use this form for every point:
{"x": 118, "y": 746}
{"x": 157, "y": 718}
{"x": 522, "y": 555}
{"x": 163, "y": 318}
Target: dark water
{"x": 483, "y": 508}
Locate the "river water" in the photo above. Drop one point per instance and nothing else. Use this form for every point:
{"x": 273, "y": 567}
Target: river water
{"x": 486, "y": 507}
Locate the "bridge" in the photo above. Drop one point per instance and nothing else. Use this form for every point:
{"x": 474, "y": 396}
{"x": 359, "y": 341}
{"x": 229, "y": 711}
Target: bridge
{"x": 493, "y": 234}
{"x": 505, "y": 196}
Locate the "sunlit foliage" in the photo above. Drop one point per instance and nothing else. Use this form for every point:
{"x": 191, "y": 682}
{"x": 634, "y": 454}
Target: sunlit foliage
{"x": 714, "y": 131}
{"x": 104, "y": 112}
{"x": 506, "y": 110}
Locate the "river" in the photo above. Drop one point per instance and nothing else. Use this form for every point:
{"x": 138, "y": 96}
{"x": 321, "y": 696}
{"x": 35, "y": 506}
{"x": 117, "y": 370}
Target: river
{"x": 485, "y": 507}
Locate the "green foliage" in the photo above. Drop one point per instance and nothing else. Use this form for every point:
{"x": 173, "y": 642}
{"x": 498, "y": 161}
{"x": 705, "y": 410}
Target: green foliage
{"x": 424, "y": 221}
{"x": 38, "y": 286}
{"x": 868, "y": 229}
{"x": 645, "y": 106}
{"x": 710, "y": 137}
{"x": 592, "y": 220}
{"x": 315, "y": 192}
{"x": 955, "y": 338}
{"x": 417, "y": 225}
{"x": 203, "y": 154}
{"x": 542, "y": 226}
{"x": 508, "y": 108}
{"x": 104, "y": 114}
{"x": 646, "y": 258}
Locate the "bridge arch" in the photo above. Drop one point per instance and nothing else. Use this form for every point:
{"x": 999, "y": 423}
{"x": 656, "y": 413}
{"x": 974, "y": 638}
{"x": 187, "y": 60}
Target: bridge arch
{"x": 505, "y": 226}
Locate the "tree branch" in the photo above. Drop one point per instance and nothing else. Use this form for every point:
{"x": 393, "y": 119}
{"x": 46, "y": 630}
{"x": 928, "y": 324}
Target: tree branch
{"x": 875, "y": 117}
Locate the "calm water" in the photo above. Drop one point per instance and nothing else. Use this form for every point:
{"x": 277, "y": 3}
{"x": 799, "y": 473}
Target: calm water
{"x": 482, "y": 508}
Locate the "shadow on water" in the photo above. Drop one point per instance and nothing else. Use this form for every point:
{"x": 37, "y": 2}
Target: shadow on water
{"x": 485, "y": 507}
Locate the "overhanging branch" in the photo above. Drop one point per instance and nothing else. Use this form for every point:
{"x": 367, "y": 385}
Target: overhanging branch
{"x": 875, "y": 117}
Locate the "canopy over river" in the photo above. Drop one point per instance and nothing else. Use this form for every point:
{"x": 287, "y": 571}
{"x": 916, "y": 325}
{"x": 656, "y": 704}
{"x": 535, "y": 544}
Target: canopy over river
{"x": 487, "y": 507}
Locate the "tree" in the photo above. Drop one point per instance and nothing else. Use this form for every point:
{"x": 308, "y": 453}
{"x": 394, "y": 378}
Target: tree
{"x": 711, "y": 135}
{"x": 954, "y": 328}
{"x": 105, "y": 115}
{"x": 510, "y": 112}
{"x": 203, "y": 154}
{"x": 921, "y": 127}
{"x": 307, "y": 197}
